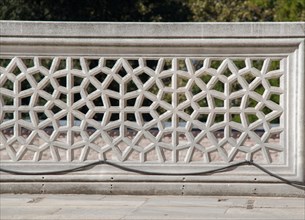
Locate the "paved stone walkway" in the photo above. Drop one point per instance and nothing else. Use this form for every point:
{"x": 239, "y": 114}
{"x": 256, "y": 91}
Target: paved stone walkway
{"x": 88, "y": 207}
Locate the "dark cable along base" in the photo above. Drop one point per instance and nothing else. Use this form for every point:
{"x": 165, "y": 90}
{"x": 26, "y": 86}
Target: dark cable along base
{"x": 88, "y": 166}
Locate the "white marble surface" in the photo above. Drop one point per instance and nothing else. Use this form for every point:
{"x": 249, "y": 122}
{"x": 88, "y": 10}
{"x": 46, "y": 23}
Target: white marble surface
{"x": 153, "y": 30}
{"x": 25, "y": 206}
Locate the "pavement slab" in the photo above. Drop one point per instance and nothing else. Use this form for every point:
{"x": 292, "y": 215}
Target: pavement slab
{"x": 52, "y": 206}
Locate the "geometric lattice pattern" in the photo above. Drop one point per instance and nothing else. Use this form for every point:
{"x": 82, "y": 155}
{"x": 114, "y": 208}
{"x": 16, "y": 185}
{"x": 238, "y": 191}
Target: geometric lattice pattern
{"x": 143, "y": 110}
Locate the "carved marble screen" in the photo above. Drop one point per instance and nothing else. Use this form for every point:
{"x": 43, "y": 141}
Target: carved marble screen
{"x": 143, "y": 109}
